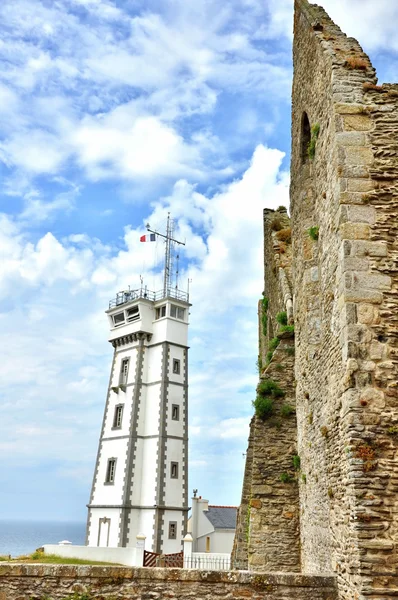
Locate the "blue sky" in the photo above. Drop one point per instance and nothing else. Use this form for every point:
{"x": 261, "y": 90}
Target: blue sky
{"x": 113, "y": 113}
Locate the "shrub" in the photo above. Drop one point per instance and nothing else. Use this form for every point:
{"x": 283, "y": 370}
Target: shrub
{"x": 290, "y": 350}
{"x": 273, "y": 344}
{"x": 276, "y": 224}
{"x": 367, "y": 455}
{"x": 287, "y": 410}
{"x": 285, "y": 235}
{"x": 267, "y": 391}
{"x": 296, "y": 462}
{"x": 287, "y": 328}
{"x": 313, "y": 232}
{"x": 315, "y": 129}
{"x": 286, "y": 478}
{"x": 268, "y": 387}
{"x": 324, "y": 431}
{"x": 281, "y": 318}
{"x": 304, "y": 478}
{"x": 356, "y": 62}
{"x": 268, "y": 357}
{"x": 264, "y": 407}
{"x": 264, "y": 314}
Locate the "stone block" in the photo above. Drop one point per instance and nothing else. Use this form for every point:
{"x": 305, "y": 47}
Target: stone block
{"x": 349, "y": 109}
{"x": 351, "y": 198}
{"x": 363, "y": 295}
{"x": 362, "y": 214}
{"x": 351, "y": 138}
{"x": 367, "y": 314}
{"x": 354, "y": 263}
{"x": 376, "y": 350}
{"x": 372, "y": 281}
{"x": 354, "y": 231}
{"x": 360, "y": 185}
{"x": 357, "y": 155}
{"x": 363, "y": 248}
{"x": 357, "y": 122}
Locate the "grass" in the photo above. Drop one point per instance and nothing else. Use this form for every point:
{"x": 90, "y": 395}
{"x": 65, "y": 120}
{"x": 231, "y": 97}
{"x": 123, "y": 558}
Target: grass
{"x": 52, "y": 559}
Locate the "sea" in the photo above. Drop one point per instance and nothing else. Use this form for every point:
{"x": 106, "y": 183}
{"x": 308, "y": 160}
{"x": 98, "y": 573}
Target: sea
{"x": 18, "y": 538}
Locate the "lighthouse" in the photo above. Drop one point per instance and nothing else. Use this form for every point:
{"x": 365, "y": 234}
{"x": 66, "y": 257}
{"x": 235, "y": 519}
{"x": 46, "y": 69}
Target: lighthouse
{"x": 140, "y": 482}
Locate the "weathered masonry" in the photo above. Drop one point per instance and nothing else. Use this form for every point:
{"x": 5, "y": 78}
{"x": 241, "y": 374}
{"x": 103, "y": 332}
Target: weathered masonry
{"x": 330, "y": 482}
{"x": 36, "y": 582}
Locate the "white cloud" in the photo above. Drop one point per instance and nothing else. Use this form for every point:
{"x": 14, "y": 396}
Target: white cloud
{"x": 56, "y": 329}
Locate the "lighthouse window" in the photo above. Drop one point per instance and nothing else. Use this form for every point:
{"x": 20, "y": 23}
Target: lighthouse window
{"x": 117, "y": 417}
{"x": 175, "y": 412}
{"x": 124, "y": 371}
{"x": 176, "y": 366}
{"x": 118, "y": 319}
{"x": 174, "y": 470}
{"x": 160, "y": 312}
{"x": 172, "y": 530}
{"x": 133, "y": 314}
{"x": 110, "y": 470}
{"x": 177, "y": 312}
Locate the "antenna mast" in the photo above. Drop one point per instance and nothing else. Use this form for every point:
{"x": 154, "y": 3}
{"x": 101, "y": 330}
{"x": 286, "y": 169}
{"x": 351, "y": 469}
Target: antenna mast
{"x": 168, "y": 256}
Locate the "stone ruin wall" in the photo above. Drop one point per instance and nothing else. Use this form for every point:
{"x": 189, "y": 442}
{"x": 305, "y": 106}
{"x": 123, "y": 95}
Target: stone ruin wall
{"x": 267, "y": 537}
{"x": 58, "y": 582}
{"x": 345, "y": 287}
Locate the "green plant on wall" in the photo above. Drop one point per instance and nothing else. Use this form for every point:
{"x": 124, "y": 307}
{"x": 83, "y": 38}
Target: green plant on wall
{"x": 247, "y": 532}
{"x": 296, "y": 462}
{"x": 287, "y": 410}
{"x": 281, "y": 318}
{"x": 286, "y": 478}
{"x": 286, "y": 328}
{"x": 264, "y": 314}
{"x": 267, "y": 391}
{"x": 313, "y": 232}
{"x": 312, "y": 143}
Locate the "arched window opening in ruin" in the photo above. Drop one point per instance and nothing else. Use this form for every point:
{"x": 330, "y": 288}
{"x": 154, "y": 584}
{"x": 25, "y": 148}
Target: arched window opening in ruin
{"x": 305, "y": 137}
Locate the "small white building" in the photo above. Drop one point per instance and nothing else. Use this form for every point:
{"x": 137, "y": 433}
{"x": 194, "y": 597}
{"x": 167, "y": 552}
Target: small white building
{"x": 212, "y": 527}
{"x": 141, "y": 473}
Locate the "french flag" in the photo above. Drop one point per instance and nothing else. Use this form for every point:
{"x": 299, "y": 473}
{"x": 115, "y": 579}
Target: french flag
{"x": 151, "y": 237}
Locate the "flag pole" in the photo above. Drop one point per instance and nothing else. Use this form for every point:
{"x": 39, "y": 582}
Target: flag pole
{"x": 168, "y": 258}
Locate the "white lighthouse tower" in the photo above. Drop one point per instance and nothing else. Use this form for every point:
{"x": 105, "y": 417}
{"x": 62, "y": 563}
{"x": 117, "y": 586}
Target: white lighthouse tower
{"x": 140, "y": 482}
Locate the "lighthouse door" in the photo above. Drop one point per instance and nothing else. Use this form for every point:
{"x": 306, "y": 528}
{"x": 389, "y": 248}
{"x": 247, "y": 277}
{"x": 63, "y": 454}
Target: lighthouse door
{"x": 103, "y": 532}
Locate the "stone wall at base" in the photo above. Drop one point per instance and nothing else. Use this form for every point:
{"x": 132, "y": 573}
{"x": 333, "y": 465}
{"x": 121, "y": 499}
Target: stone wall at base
{"x": 58, "y": 582}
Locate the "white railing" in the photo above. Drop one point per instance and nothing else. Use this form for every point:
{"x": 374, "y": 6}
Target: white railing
{"x": 208, "y": 561}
